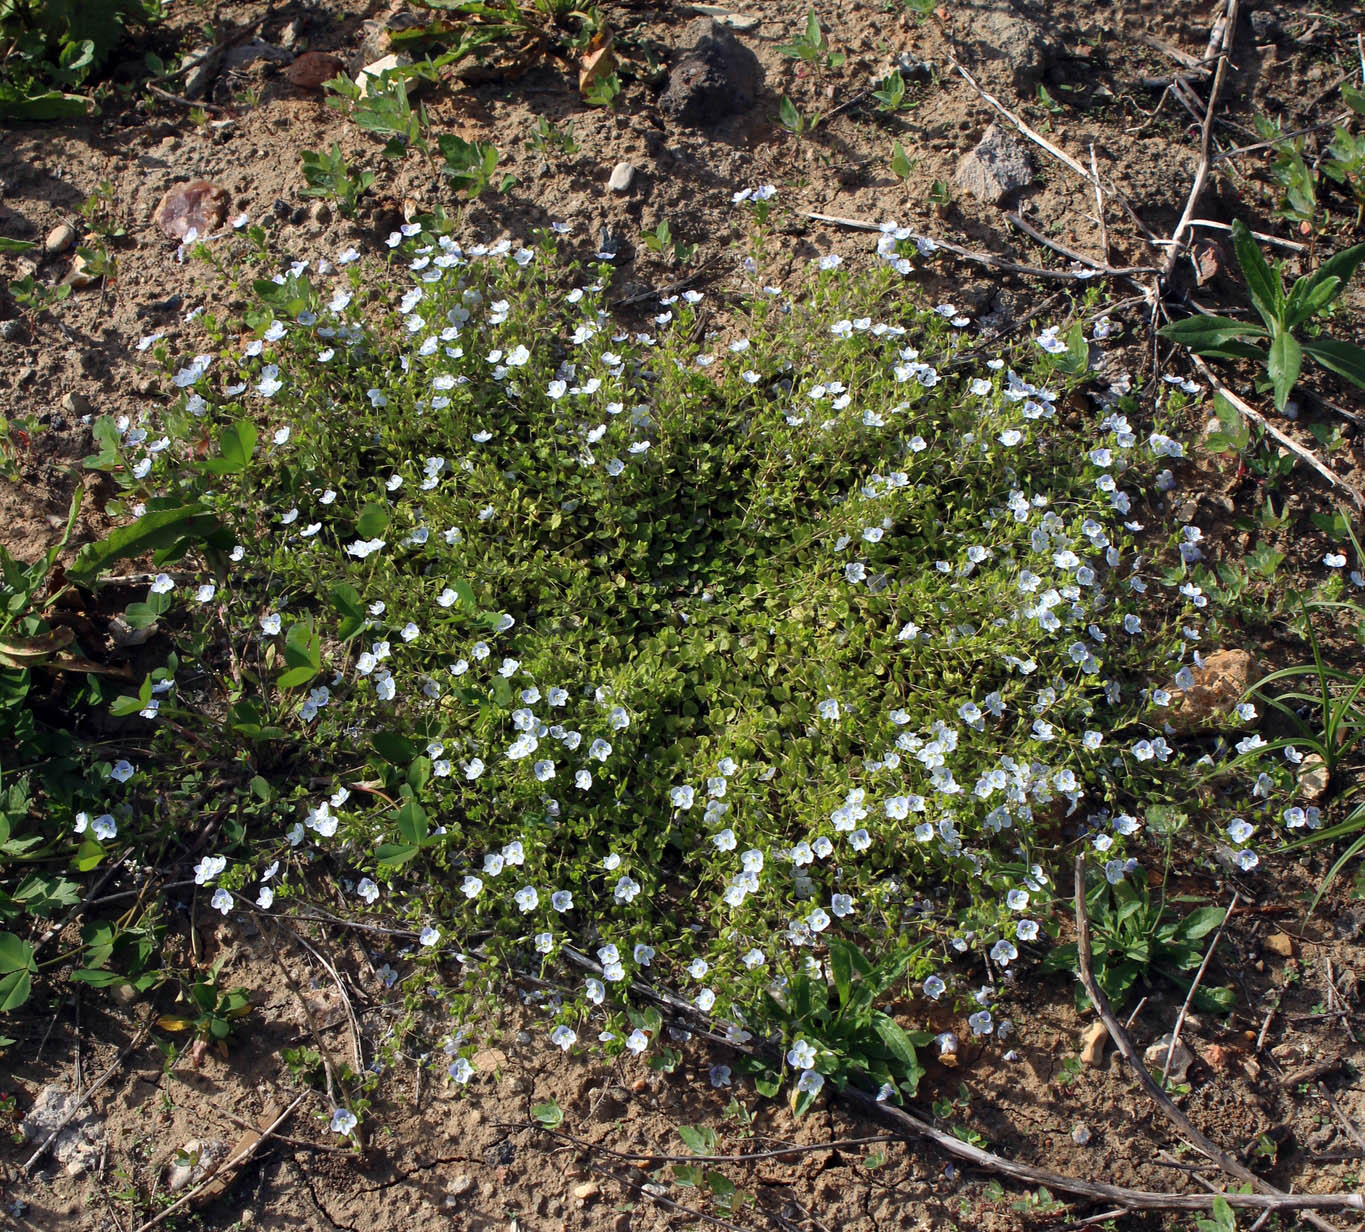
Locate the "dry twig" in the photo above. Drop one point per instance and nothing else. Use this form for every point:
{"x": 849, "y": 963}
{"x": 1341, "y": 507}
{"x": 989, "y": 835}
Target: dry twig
{"x": 84, "y": 1098}
{"x": 990, "y": 259}
{"x": 1284, "y": 439}
{"x": 1201, "y": 175}
{"x": 1198, "y": 979}
{"x": 235, "y": 1162}
{"x": 1130, "y": 1199}
{"x": 1037, "y": 138}
{"x": 1123, "y": 1042}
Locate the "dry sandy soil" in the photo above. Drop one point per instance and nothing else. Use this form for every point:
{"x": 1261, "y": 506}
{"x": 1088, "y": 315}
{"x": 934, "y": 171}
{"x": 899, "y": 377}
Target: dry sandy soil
{"x": 436, "y": 1155}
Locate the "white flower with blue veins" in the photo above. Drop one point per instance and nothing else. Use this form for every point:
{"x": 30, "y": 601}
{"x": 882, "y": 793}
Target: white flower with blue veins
{"x": 461, "y": 1070}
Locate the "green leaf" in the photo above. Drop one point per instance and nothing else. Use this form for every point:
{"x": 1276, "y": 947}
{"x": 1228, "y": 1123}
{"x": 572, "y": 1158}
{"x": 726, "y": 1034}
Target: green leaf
{"x": 395, "y": 855}
{"x": 14, "y": 988}
{"x": 152, "y": 530}
{"x": 412, "y": 822}
{"x": 303, "y": 646}
{"x": 720, "y": 1186}
{"x": 1201, "y": 332}
{"x": 1263, "y": 284}
{"x": 1200, "y": 923}
{"x": 393, "y": 748}
{"x": 12, "y": 245}
{"x": 347, "y": 602}
{"x": 15, "y": 954}
{"x": 372, "y": 521}
{"x": 1344, "y": 358}
{"x": 1286, "y": 359}
{"x": 901, "y": 165}
{"x": 896, "y": 1040}
{"x": 841, "y": 966}
{"x": 1342, "y": 267}
{"x": 548, "y": 1114}
{"x": 790, "y": 117}
{"x": 296, "y": 676}
{"x": 1307, "y": 298}
{"x": 48, "y": 105}
{"x": 235, "y": 446}
{"x": 687, "y": 1176}
{"x": 700, "y": 1140}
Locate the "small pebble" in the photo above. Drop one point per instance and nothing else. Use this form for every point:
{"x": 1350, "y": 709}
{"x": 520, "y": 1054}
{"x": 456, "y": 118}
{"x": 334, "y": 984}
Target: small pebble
{"x": 59, "y": 239}
{"x": 622, "y": 177}
{"x": 1081, "y": 1135}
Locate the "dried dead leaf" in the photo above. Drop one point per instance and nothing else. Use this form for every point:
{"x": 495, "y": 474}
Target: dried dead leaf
{"x": 598, "y": 63}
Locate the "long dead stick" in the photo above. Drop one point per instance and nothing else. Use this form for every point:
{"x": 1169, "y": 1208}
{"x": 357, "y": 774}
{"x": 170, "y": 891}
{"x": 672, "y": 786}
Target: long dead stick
{"x": 1130, "y": 1199}
{"x": 990, "y": 259}
{"x": 1123, "y": 1042}
{"x": 235, "y": 1162}
{"x": 1037, "y": 138}
{"x": 1201, "y": 174}
{"x": 1194, "y": 987}
{"x": 84, "y": 1098}
{"x": 1251, "y": 413}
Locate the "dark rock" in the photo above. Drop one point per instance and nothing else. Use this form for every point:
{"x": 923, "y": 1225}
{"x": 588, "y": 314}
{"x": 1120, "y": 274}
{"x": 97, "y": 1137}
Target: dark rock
{"x": 717, "y": 76}
{"x": 313, "y": 68}
{"x": 997, "y": 167}
{"x": 253, "y": 51}
{"x": 1007, "y": 49}
{"x": 1266, "y": 26}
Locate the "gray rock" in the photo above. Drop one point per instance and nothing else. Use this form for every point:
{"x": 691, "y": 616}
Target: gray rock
{"x": 717, "y": 76}
{"x": 997, "y": 167}
{"x": 200, "y": 77}
{"x": 80, "y": 1144}
{"x": 910, "y": 65}
{"x": 458, "y": 1188}
{"x": 1181, "y": 1060}
{"x": 194, "y": 1161}
{"x": 243, "y": 55}
{"x": 75, "y": 404}
{"x": 622, "y": 177}
{"x": 1006, "y": 49}
{"x": 1081, "y": 1135}
{"x": 11, "y": 330}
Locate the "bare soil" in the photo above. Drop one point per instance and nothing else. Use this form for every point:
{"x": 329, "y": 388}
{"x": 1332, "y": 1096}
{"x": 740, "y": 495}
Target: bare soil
{"x": 470, "y": 1158}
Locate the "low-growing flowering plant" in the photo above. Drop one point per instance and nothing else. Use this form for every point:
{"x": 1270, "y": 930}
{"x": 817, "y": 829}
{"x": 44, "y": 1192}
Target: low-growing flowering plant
{"x": 727, "y": 658}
